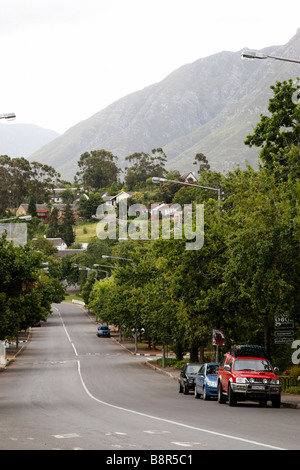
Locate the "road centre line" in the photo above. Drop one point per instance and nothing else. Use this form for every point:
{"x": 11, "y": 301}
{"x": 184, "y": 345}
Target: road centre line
{"x": 164, "y": 420}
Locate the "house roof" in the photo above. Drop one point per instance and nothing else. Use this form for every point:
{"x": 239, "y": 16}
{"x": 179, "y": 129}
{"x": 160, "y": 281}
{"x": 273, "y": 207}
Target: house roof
{"x": 63, "y": 206}
{"x": 38, "y": 207}
{"x": 189, "y": 173}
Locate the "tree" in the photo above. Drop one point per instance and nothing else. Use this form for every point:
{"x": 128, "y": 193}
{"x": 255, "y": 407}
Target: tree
{"x": 260, "y": 275}
{"x": 98, "y": 169}
{"x": 32, "y": 207}
{"x": 67, "y": 196}
{"x": 26, "y": 291}
{"x": 277, "y": 133}
{"x": 53, "y": 228}
{"x": 203, "y": 162}
{"x": 144, "y": 166}
{"x": 88, "y": 205}
{"x": 67, "y": 226}
{"x": 21, "y": 180}
{"x": 42, "y": 180}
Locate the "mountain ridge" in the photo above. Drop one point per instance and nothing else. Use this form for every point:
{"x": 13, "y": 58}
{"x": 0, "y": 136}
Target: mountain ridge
{"x": 208, "y": 106}
{"x": 21, "y": 140}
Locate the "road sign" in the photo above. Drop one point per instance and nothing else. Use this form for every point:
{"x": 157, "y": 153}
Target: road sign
{"x": 283, "y": 340}
{"x": 282, "y": 321}
{"x": 284, "y": 333}
{"x": 218, "y": 338}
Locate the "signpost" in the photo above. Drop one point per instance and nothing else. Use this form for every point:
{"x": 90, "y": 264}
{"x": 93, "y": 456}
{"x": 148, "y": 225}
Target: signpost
{"x": 283, "y": 329}
{"x": 218, "y": 339}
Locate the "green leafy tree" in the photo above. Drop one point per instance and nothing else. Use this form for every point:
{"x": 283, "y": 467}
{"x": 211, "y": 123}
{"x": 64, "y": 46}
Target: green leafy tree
{"x": 88, "y": 205}
{"x": 143, "y": 166}
{"x": 53, "y": 227}
{"x": 67, "y": 226}
{"x": 279, "y": 132}
{"x": 32, "y": 207}
{"x": 202, "y": 161}
{"x": 26, "y": 291}
{"x": 98, "y": 169}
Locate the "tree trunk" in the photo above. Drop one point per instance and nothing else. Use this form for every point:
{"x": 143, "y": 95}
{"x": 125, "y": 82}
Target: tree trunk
{"x": 267, "y": 344}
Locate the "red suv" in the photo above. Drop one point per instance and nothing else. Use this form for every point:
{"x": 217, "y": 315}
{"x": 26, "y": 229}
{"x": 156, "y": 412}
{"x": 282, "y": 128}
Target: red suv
{"x": 245, "y": 374}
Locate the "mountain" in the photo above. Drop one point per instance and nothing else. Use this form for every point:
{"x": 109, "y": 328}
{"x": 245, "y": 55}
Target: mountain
{"x": 21, "y": 140}
{"x": 208, "y": 106}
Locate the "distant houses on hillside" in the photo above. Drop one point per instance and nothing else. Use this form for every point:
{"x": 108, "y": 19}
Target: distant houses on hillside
{"x": 43, "y": 211}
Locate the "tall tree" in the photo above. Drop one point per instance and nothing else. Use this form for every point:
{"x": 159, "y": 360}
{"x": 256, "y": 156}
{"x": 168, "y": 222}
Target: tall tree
{"x": 88, "y": 205}
{"x": 201, "y": 159}
{"x": 98, "y": 169}
{"x": 53, "y": 229}
{"x": 277, "y": 133}
{"x": 144, "y": 166}
{"x": 67, "y": 226}
{"x": 26, "y": 292}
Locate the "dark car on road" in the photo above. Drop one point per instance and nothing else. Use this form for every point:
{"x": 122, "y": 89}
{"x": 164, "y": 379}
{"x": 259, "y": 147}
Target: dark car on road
{"x": 187, "y": 377}
{"x": 103, "y": 331}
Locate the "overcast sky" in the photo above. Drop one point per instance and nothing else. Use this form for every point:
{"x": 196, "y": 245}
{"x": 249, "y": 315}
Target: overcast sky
{"x": 64, "y": 60}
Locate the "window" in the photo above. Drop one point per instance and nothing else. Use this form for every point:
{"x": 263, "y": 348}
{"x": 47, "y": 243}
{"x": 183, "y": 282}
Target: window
{"x": 252, "y": 364}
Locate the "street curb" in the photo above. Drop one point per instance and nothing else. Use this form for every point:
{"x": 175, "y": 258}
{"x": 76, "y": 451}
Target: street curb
{"x": 161, "y": 371}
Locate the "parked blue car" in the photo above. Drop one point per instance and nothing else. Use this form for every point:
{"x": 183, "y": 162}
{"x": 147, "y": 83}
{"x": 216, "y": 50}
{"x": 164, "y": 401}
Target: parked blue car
{"x": 206, "y": 381}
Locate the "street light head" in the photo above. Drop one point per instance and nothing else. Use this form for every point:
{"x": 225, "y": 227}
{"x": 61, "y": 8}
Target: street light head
{"x": 157, "y": 180}
{"x": 253, "y": 55}
{"x": 8, "y": 116}
{"x": 25, "y": 217}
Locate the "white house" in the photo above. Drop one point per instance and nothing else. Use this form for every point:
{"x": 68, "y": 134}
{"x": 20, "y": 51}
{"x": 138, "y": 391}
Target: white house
{"x": 164, "y": 209}
{"x": 113, "y": 200}
{"x": 189, "y": 177}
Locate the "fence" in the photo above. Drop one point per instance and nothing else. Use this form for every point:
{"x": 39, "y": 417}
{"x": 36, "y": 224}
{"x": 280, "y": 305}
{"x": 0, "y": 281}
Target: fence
{"x": 287, "y": 381}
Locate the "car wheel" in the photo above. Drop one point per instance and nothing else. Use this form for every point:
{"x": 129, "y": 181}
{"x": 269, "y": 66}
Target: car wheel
{"x": 221, "y": 396}
{"x": 263, "y": 402}
{"x": 231, "y": 396}
{"x": 276, "y": 401}
{"x": 196, "y": 393}
{"x": 185, "y": 390}
{"x": 180, "y": 388}
{"x": 204, "y": 394}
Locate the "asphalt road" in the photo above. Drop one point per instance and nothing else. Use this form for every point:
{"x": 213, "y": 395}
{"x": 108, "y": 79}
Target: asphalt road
{"x": 71, "y": 390}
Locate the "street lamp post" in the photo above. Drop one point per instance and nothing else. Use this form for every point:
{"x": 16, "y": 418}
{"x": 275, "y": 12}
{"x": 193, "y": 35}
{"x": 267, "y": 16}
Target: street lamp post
{"x": 117, "y": 257}
{"x": 261, "y": 55}
{"x": 157, "y": 180}
{"x": 105, "y": 266}
{"x": 22, "y": 217}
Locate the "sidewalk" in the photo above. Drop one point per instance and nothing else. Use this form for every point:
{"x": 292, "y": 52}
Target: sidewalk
{"x": 14, "y": 350}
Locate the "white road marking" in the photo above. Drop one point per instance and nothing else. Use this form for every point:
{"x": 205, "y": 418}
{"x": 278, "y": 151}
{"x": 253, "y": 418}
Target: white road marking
{"x": 155, "y": 431}
{"x": 65, "y": 436}
{"x": 156, "y": 418}
{"x": 189, "y": 444}
{"x": 183, "y": 444}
